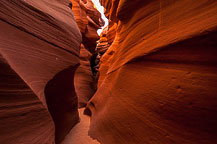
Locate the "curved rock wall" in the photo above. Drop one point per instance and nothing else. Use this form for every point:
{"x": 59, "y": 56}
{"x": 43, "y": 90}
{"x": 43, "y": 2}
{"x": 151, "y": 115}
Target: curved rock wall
{"x": 84, "y": 80}
{"x": 158, "y": 78}
{"x": 23, "y": 117}
{"x": 39, "y": 47}
{"x": 89, "y": 20}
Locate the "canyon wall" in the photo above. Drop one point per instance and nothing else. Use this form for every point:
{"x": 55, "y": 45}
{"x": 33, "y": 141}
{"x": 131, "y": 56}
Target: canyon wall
{"x": 157, "y": 73}
{"x": 39, "y": 53}
{"x": 88, "y": 20}
{"x": 158, "y": 78}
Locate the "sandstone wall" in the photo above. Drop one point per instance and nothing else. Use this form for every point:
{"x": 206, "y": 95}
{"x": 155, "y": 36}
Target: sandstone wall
{"x": 88, "y": 20}
{"x": 39, "y": 48}
{"x": 158, "y": 78}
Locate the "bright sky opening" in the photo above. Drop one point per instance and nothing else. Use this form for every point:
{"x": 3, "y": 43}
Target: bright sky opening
{"x": 101, "y": 10}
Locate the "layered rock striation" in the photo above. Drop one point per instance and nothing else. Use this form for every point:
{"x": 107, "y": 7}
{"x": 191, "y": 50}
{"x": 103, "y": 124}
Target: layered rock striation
{"x": 158, "y": 78}
{"x": 39, "y": 48}
{"x": 88, "y": 20}
{"x": 84, "y": 80}
{"x": 157, "y": 71}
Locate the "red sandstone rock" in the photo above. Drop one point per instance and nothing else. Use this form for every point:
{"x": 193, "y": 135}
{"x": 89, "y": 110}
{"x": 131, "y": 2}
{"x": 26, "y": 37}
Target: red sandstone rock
{"x": 158, "y": 79}
{"x": 111, "y": 32}
{"x": 84, "y": 83}
{"x": 88, "y": 20}
{"x": 39, "y": 44}
{"x": 80, "y": 15}
{"x": 23, "y": 117}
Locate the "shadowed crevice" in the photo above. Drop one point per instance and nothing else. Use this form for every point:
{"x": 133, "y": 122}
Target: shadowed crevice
{"x": 62, "y": 102}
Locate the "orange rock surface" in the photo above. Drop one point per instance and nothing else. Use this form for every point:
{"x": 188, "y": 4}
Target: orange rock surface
{"x": 157, "y": 74}
{"x": 89, "y": 20}
{"x": 158, "y": 78}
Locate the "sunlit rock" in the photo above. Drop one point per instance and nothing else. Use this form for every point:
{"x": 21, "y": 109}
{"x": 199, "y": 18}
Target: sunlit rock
{"x": 158, "y": 78}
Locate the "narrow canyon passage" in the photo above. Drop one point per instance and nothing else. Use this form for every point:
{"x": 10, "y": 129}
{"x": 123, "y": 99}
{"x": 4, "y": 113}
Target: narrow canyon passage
{"x": 108, "y": 72}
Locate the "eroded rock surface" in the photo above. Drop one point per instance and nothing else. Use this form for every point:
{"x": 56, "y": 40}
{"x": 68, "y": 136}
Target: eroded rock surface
{"x": 23, "y": 117}
{"x": 89, "y": 20}
{"x": 158, "y": 78}
{"x": 157, "y": 75}
{"x": 84, "y": 80}
{"x": 39, "y": 47}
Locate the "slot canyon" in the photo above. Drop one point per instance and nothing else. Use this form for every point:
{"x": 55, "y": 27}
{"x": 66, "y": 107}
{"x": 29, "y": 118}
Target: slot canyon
{"x": 149, "y": 76}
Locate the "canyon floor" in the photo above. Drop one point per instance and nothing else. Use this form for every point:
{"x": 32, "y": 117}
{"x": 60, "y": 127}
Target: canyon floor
{"x": 79, "y": 134}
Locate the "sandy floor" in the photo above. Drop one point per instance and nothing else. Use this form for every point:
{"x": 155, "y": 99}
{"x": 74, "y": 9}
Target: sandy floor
{"x": 79, "y": 134}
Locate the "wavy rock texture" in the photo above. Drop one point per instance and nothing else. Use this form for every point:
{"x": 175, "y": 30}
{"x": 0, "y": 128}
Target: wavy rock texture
{"x": 101, "y": 48}
{"x": 158, "y": 79}
{"x": 88, "y": 20}
{"x": 106, "y": 39}
{"x": 84, "y": 80}
{"x": 102, "y": 44}
{"x": 23, "y": 117}
{"x": 39, "y": 47}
